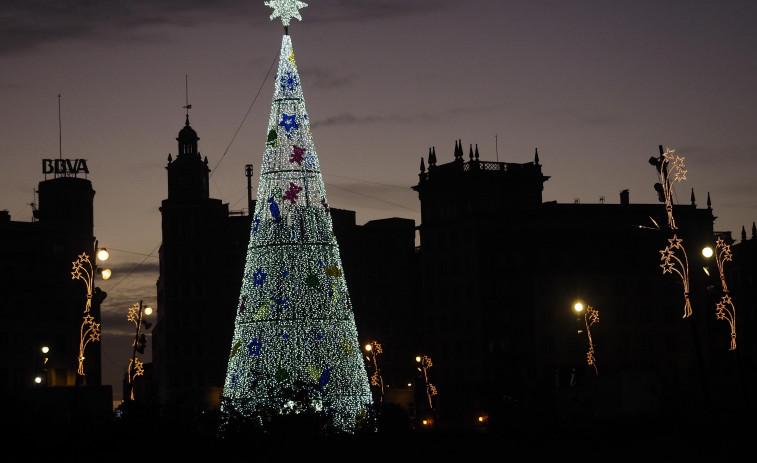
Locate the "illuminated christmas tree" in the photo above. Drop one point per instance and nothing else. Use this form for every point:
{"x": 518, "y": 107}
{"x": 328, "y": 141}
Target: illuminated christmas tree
{"x": 295, "y": 348}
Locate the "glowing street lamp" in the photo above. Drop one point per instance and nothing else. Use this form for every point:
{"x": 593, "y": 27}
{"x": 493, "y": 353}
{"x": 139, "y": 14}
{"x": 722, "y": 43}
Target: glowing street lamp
{"x": 591, "y": 316}
{"x": 136, "y": 367}
{"x": 85, "y": 269}
{"x": 39, "y": 379}
{"x": 424, "y": 364}
{"x": 373, "y": 349}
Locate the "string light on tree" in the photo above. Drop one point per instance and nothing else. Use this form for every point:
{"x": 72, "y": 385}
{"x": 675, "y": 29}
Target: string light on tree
{"x": 295, "y": 346}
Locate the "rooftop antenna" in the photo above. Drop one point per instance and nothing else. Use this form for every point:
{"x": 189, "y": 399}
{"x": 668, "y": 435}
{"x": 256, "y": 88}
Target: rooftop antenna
{"x": 496, "y": 146}
{"x": 186, "y": 93}
{"x": 60, "y": 135}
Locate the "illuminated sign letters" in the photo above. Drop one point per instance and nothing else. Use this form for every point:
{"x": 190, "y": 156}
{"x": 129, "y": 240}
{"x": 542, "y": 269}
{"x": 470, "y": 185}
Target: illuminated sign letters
{"x": 64, "y": 166}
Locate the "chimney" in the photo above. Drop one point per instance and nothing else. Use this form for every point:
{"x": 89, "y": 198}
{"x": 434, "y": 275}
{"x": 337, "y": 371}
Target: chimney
{"x": 624, "y": 197}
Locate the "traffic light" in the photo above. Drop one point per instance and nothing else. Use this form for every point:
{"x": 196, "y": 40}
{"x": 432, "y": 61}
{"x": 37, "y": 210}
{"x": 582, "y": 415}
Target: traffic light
{"x": 660, "y": 192}
{"x": 98, "y": 296}
{"x": 141, "y": 343}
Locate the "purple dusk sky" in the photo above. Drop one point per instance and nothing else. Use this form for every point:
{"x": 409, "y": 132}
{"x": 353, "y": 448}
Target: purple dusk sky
{"x": 596, "y": 86}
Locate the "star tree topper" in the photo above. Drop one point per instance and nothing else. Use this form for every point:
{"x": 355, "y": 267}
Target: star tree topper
{"x": 286, "y": 10}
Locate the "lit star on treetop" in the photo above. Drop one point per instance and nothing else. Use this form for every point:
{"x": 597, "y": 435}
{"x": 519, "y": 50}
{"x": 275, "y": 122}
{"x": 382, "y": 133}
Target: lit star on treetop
{"x": 286, "y": 10}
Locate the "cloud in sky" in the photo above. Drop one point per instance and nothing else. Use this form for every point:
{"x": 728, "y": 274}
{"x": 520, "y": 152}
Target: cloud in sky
{"x": 27, "y": 25}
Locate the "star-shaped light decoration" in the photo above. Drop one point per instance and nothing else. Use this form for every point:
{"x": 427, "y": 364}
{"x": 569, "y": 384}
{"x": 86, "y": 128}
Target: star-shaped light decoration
{"x": 286, "y": 10}
{"x": 673, "y": 261}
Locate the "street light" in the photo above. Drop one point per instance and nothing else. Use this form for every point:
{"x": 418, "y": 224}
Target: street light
{"x": 85, "y": 269}
{"x": 39, "y": 379}
{"x": 373, "y": 349}
{"x": 591, "y": 316}
{"x": 425, "y": 363}
{"x": 136, "y": 367}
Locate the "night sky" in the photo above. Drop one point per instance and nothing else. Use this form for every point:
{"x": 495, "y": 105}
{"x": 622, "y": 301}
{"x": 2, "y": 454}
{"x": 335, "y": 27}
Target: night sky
{"x": 596, "y": 86}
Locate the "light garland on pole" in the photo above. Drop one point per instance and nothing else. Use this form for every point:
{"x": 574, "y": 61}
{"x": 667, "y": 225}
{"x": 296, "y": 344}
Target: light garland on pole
{"x": 591, "y": 316}
{"x": 84, "y": 269}
{"x": 673, "y": 257}
{"x": 136, "y": 367}
{"x": 295, "y": 345}
{"x": 725, "y": 310}
{"x": 374, "y": 349}
{"x": 425, "y": 363}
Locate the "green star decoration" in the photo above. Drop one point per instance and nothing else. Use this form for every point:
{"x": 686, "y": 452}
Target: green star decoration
{"x": 286, "y": 10}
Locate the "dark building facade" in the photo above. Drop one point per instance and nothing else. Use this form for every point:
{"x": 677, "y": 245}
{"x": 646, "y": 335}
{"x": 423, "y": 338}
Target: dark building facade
{"x": 501, "y": 271}
{"x": 201, "y": 260}
{"x": 43, "y": 306}
{"x": 381, "y": 267}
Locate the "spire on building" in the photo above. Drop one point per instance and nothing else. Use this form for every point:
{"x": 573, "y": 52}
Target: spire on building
{"x": 693, "y": 199}
{"x": 458, "y": 150}
{"x": 187, "y": 140}
{"x": 536, "y": 156}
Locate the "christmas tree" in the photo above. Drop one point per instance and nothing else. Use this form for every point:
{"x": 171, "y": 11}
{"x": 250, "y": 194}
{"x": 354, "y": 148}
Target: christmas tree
{"x": 295, "y": 349}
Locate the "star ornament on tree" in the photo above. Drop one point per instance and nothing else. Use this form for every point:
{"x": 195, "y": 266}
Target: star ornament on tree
{"x": 286, "y": 10}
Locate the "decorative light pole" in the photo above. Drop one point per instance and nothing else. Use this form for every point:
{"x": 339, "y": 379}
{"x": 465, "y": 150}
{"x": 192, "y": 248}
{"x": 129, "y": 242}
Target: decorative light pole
{"x": 85, "y": 269}
{"x": 725, "y": 310}
{"x": 591, "y": 316}
{"x": 373, "y": 349}
{"x": 136, "y": 367}
{"x": 673, "y": 257}
{"x": 424, "y": 364}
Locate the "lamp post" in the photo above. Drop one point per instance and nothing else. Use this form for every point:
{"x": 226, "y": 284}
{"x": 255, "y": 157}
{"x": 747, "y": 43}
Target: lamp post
{"x": 85, "y": 269}
{"x": 42, "y": 376}
{"x": 373, "y": 348}
{"x": 136, "y": 367}
{"x": 424, "y": 363}
{"x": 591, "y": 316}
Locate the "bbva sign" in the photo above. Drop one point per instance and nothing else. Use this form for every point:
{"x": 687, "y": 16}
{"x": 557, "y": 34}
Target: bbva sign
{"x": 64, "y": 166}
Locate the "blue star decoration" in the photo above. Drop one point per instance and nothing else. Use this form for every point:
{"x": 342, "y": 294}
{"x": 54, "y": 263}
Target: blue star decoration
{"x": 289, "y": 81}
{"x": 253, "y": 348}
{"x": 281, "y": 302}
{"x": 275, "y": 213}
{"x": 286, "y": 10}
{"x": 288, "y": 122}
{"x": 259, "y": 277}
{"x": 324, "y": 379}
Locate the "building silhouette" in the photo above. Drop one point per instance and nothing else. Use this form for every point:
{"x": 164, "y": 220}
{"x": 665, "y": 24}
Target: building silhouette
{"x": 201, "y": 258}
{"x": 500, "y": 273}
{"x": 43, "y": 305}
